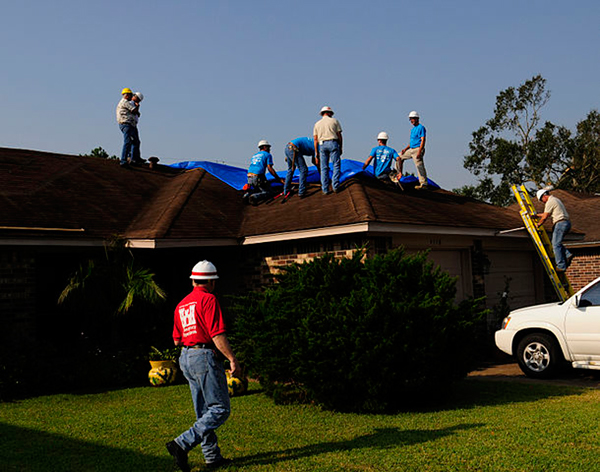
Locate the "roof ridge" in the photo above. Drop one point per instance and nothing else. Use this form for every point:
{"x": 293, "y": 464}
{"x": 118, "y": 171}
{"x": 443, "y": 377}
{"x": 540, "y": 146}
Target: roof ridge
{"x": 172, "y": 198}
{"x": 371, "y": 213}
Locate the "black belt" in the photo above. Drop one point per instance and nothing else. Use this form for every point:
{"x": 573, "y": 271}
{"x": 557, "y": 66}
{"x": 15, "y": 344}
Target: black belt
{"x": 202, "y": 346}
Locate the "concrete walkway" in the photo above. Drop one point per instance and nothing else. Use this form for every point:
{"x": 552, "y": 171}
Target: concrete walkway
{"x": 512, "y": 373}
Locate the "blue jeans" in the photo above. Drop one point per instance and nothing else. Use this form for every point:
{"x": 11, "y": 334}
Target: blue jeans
{"x": 293, "y": 156}
{"x": 330, "y": 150}
{"x": 561, "y": 253}
{"x": 208, "y": 385}
{"x": 131, "y": 143}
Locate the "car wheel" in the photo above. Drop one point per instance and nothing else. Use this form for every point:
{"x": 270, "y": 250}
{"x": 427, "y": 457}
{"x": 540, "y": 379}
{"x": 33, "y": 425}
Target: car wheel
{"x": 539, "y": 356}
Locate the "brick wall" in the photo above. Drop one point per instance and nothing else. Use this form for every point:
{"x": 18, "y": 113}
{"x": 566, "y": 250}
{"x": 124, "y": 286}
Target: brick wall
{"x": 17, "y": 295}
{"x": 262, "y": 262}
{"x": 584, "y": 268}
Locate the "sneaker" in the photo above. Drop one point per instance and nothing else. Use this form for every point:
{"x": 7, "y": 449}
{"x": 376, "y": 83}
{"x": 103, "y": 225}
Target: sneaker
{"x": 422, "y": 187}
{"x": 560, "y": 271}
{"x": 222, "y": 462}
{"x": 180, "y": 456}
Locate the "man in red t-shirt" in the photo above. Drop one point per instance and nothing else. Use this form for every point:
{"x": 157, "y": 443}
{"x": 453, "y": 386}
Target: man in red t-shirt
{"x": 200, "y": 330}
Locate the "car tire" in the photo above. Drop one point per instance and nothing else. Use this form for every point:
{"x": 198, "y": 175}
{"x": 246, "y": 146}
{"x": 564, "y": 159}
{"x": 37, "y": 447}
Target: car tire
{"x": 539, "y": 356}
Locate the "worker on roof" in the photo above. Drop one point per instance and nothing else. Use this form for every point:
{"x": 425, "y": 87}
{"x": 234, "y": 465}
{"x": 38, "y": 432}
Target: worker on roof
{"x": 555, "y": 209}
{"x": 294, "y": 155}
{"x": 127, "y": 117}
{"x": 415, "y": 150}
{"x": 382, "y": 156}
{"x": 328, "y": 144}
{"x": 259, "y": 164}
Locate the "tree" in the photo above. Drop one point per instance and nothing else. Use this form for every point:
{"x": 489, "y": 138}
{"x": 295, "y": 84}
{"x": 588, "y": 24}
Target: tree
{"x": 512, "y": 148}
{"x": 101, "y": 153}
{"x": 583, "y": 173}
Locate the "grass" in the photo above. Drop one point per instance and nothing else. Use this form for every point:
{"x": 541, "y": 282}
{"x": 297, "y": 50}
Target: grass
{"x": 486, "y": 426}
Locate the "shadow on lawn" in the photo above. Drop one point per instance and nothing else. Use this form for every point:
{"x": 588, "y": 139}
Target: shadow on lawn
{"x": 28, "y": 450}
{"x": 474, "y": 393}
{"x": 382, "y": 438}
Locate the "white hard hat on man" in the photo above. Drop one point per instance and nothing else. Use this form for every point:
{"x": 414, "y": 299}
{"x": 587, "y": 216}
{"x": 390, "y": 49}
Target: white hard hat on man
{"x": 204, "y": 270}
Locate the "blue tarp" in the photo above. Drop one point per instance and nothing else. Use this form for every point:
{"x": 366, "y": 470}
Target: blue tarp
{"x": 237, "y": 177}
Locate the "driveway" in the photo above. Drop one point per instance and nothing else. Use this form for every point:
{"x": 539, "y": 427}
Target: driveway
{"x": 512, "y": 373}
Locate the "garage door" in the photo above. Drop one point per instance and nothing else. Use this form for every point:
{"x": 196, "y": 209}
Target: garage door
{"x": 451, "y": 262}
{"x": 518, "y": 266}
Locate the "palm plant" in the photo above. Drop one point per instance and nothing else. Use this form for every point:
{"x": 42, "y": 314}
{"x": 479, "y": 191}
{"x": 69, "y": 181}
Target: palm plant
{"x": 113, "y": 282}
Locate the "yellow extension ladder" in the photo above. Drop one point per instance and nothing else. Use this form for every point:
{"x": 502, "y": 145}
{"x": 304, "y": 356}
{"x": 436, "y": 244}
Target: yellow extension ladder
{"x": 542, "y": 243}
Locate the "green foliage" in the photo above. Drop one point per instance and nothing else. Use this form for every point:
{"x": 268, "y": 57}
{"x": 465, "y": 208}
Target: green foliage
{"x": 512, "y": 148}
{"x": 101, "y": 153}
{"x": 113, "y": 282}
{"x": 170, "y": 354}
{"x": 358, "y": 335}
{"x": 583, "y": 173}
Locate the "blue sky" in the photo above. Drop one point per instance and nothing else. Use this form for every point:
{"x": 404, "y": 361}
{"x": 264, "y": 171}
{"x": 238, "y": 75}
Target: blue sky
{"x": 219, "y": 76}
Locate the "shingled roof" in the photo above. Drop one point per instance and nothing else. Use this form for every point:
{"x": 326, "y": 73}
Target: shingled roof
{"x": 63, "y": 199}
{"x": 368, "y": 201}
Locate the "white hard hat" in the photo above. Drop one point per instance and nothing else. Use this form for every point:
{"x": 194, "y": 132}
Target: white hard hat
{"x": 204, "y": 270}
{"x": 326, "y": 108}
{"x": 540, "y": 193}
{"x": 139, "y": 95}
{"x": 263, "y": 142}
{"x": 413, "y": 114}
{"x": 383, "y": 135}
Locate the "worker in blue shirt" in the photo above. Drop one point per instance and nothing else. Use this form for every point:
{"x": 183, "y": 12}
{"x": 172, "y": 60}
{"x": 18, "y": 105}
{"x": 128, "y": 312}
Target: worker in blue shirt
{"x": 259, "y": 164}
{"x": 294, "y": 155}
{"x": 415, "y": 150}
{"x": 383, "y": 156}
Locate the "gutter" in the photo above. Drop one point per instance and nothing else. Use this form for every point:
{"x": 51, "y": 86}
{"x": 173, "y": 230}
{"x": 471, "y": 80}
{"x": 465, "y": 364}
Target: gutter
{"x": 365, "y": 228}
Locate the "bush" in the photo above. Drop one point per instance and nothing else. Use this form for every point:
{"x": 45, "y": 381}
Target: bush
{"x": 357, "y": 336}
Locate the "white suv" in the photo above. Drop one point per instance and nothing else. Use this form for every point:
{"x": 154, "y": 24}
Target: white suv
{"x": 542, "y": 337}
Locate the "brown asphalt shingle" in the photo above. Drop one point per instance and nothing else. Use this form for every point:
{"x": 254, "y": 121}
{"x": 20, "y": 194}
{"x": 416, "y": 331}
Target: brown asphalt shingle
{"x": 364, "y": 199}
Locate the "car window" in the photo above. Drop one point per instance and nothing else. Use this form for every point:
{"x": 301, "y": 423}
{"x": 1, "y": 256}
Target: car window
{"x": 591, "y": 297}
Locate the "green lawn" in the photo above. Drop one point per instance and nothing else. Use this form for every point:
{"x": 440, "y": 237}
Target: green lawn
{"x": 487, "y": 426}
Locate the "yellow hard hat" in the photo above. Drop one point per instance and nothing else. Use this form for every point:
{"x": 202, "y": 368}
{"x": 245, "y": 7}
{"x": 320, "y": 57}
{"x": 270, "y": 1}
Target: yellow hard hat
{"x": 126, "y": 90}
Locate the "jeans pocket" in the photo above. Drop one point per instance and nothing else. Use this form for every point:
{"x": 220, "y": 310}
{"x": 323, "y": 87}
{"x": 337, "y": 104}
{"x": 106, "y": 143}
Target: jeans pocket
{"x": 197, "y": 362}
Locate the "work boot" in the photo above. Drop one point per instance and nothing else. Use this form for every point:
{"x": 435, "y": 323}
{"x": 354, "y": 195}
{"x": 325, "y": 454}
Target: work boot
{"x": 569, "y": 259}
{"x": 422, "y": 186}
{"x": 180, "y": 456}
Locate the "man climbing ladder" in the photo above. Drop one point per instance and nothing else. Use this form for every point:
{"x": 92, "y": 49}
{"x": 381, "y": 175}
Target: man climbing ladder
{"x": 542, "y": 243}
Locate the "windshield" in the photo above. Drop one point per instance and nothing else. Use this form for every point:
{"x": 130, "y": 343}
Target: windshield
{"x": 591, "y": 297}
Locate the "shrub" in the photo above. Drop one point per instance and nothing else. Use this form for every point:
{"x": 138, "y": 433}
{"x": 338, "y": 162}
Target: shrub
{"x": 357, "y": 336}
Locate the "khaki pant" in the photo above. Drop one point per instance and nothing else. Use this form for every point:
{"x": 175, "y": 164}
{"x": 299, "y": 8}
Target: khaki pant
{"x": 412, "y": 154}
